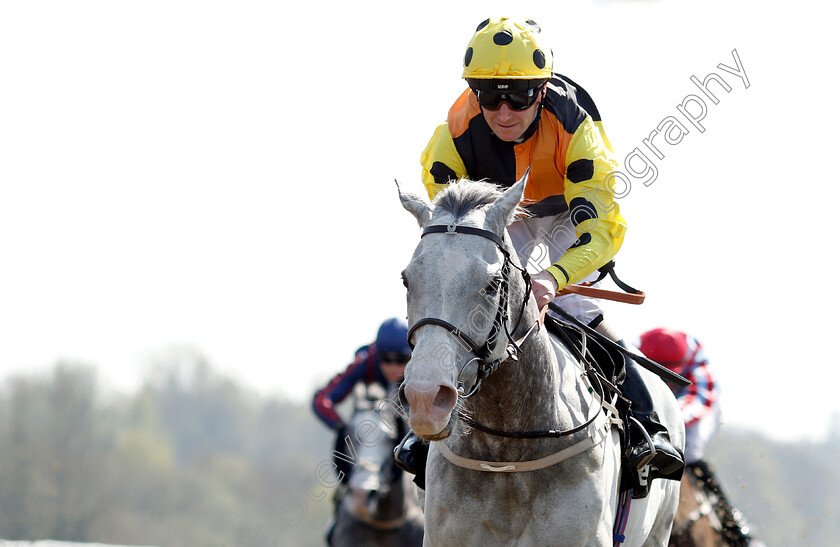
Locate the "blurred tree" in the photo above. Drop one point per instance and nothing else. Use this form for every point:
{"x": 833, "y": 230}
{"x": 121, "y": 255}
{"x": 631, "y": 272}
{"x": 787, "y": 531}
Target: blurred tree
{"x": 193, "y": 458}
{"x": 204, "y": 412}
{"x": 52, "y": 451}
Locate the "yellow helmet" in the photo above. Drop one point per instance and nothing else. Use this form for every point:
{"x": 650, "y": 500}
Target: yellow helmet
{"x": 507, "y": 49}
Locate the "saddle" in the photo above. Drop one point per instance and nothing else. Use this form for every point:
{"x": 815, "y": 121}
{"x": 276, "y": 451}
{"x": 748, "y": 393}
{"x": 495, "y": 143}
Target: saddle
{"x": 604, "y": 363}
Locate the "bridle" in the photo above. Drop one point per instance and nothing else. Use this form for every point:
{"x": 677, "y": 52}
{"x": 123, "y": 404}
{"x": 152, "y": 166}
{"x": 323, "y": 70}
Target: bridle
{"x": 482, "y": 353}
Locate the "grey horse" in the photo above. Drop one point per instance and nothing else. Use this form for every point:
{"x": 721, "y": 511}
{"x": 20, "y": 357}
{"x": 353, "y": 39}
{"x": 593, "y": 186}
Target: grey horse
{"x": 467, "y": 307}
{"x": 379, "y": 506}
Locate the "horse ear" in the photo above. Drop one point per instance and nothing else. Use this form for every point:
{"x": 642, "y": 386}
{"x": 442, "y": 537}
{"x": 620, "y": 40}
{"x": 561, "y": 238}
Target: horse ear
{"x": 505, "y": 209}
{"x": 415, "y": 205}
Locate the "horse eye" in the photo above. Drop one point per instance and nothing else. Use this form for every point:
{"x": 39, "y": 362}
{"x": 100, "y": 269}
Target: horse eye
{"x": 493, "y": 287}
{"x": 404, "y": 280}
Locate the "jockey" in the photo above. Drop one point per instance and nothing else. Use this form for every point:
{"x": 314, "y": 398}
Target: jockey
{"x": 700, "y": 407}
{"x": 382, "y": 362}
{"x": 698, "y": 402}
{"x": 517, "y": 114}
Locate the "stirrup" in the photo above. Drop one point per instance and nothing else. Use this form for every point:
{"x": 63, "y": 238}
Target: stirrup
{"x": 666, "y": 460}
{"x": 647, "y": 459}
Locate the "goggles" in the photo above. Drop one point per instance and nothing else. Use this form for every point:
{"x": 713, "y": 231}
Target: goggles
{"x": 394, "y": 357}
{"x": 516, "y": 100}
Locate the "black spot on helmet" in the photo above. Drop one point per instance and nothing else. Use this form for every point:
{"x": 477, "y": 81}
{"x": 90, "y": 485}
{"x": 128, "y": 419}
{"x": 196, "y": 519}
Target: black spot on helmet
{"x": 507, "y": 49}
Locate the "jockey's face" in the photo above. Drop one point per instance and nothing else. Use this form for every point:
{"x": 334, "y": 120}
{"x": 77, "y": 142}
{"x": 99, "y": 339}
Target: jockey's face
{"x": 393, "y": 365}
{"x": 509, "y": 124}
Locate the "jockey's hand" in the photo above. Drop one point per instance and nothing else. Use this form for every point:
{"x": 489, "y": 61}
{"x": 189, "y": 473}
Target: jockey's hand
{"x": 544, "y": 287}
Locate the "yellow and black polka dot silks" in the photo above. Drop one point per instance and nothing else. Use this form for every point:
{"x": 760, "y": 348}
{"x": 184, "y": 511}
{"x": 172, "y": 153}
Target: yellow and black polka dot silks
{"x": 570, "y": 159}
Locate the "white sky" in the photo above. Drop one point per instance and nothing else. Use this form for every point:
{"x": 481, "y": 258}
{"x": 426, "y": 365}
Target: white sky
{"x": 220, "y": 175}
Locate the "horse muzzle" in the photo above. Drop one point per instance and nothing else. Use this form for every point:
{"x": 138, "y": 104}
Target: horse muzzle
{"x": 430, "y": 408}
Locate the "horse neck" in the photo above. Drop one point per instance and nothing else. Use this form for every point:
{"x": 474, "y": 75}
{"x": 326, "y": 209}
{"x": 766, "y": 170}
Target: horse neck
{"x": 523, "y": 395}
{"x": 514, "y": 384}
{"x": 392, "y": 505}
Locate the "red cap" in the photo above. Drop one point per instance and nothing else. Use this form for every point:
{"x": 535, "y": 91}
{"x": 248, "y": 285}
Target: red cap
{"x": 666, "y": 347}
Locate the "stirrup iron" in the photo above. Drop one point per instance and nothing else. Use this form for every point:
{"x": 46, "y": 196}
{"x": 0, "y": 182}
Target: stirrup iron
{"x": 647, "y": 459}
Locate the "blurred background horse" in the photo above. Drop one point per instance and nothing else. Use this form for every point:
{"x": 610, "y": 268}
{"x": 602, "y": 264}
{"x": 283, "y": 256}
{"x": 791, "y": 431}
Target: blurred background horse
{"x": 696, "y": 524}
{"x": 705, "y": 518}
{"x": 378, "y": 505}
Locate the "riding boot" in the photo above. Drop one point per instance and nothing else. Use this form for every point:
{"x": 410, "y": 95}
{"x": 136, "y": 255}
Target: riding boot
{"x": 653, "y": 445}
{"x": 410, "y": 456}
{"x": 735, "y": 526}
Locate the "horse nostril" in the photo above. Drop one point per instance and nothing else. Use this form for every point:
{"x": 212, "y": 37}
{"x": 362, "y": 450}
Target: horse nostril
{"x": 446, "y": 398}
{"x": 403, "y": 398}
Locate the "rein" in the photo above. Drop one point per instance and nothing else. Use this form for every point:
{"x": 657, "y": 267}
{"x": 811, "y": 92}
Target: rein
{"x": 555, "y": 433}
{"x": 599, "y": 425}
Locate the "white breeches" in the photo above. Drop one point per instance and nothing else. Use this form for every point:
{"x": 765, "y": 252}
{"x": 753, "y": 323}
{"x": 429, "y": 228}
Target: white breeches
{"x": 698, "y": 434}
{"x": 540, "y": 242}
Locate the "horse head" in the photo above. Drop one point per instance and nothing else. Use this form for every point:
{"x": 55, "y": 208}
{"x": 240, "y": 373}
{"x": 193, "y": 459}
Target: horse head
{"x": 462, "y": 293}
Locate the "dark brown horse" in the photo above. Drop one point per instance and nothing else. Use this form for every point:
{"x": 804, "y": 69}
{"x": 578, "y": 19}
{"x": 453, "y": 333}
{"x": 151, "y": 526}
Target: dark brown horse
{"x": 696, "y": 524}
{"x": 705, "y": 518}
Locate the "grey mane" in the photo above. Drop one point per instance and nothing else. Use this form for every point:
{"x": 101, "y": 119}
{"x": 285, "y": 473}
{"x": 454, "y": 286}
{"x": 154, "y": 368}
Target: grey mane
{"x": 465, "y": 196}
